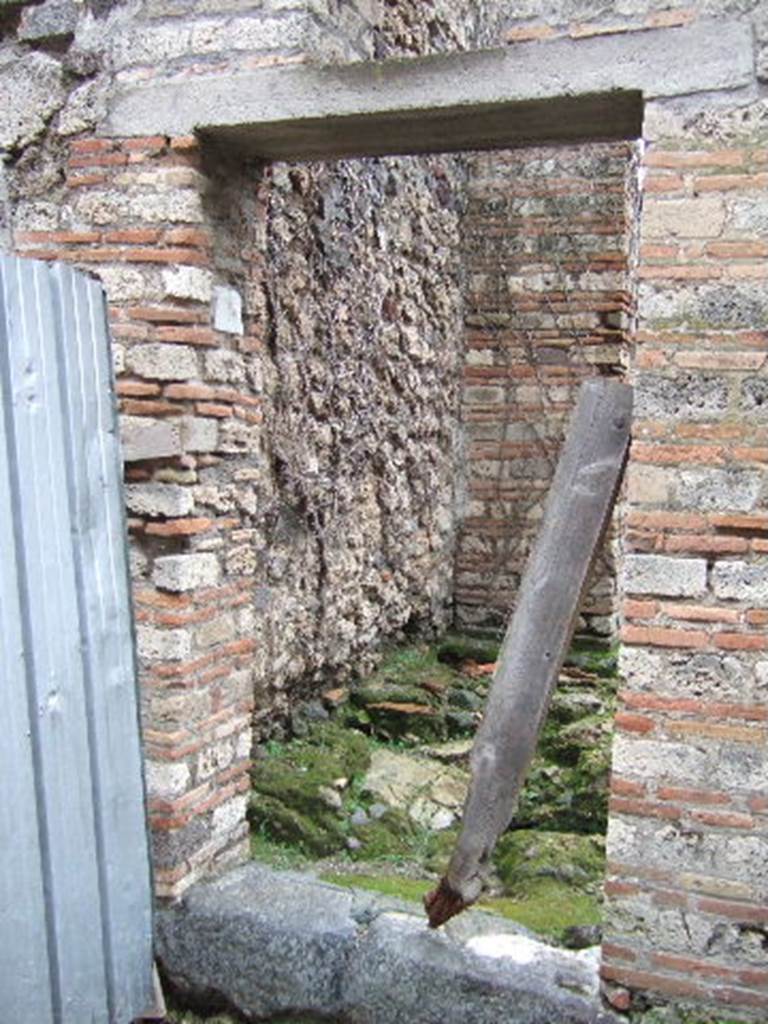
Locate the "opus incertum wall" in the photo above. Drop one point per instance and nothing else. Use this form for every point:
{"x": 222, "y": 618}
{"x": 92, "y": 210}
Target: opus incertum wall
{"x": 687, "y": 888}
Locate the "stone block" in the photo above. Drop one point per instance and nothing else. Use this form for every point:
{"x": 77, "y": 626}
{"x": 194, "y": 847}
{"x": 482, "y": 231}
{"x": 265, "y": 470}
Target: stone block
{"x": 222, "y": 364}
{"x": 237, "y": 435}
{"x": 683, "y": 218}
{"x": 362, "y": 103}
{"x": 718, "y": 490}
{"x": 158, "y": 361}
{"x": 164, "y": 42}
{"x": 169, "y": 500}
{"x": 170, "y": 847}
{"x": 749, "y": 215}
{"x": 49, "y": 20}
{"x": 185, "y": 572}
{"x": 684, "y": 396}
{"x": 118, "y": 358}
{"x": 333, "y": 953}
{"x": 32, "y": 90}
{"x": 145, "y": 438}
{"x": 214, "y": 758}
{"x": 670, "y": 577}
{"x": 188, "y": 283}
{"x": 123, "y": 283}
{"x": 86, "y": 106}
{"x": 166, "y": 778}
{"x": 754, "y": 397}
{"x": 158, "y": 206}
{"x": 229, "y": 815}
{"x": 648, "y": 485}
{"x": 741, "y": 581}
{"x": 163, "y": 644}
{"x": 691, "y": 674}
{"x": 657, "y": 759}
{"x": 217, "y": 631}
{"x": 199, "y": 434}
{"x": 227, "y": 310}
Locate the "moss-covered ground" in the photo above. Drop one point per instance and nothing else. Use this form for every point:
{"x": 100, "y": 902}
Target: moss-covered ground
{"x": 310, "y": 807}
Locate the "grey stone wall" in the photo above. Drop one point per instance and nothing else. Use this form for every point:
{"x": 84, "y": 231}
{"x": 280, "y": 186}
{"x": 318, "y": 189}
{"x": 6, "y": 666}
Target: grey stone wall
{"x": 361, "y": 314}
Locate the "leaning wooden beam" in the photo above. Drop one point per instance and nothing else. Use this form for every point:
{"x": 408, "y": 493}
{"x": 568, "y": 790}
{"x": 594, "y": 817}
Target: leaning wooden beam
{"x": 580, "y": 500}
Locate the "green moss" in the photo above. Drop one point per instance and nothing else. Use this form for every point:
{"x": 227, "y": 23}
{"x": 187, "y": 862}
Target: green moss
{"x": 567, "y": 786}
{"x": 320, "y": 833}
{"x": 291, "y": 785}
{"x": 412, "y": 666}
{"x": 456, "y": 648}
{"x": 524, "y": 857}
{"x": 592, "y": 656}
{"x": 284, "y": 857}
{"x": 548, "y": 908}
{"x": 391, "y": 835}
{"x": 375, "y": 693}
{"x": 565, "y": 796}
{"x": 439, "y": 847}
{"x": 397, "y": 886}
{"x": 564, "y": 743}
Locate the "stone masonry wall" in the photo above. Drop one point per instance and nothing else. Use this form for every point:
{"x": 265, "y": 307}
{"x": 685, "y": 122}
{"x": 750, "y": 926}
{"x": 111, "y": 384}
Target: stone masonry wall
{"x": 179, "y": 240}
{"x": 290, "y": 471}
{"x": 286, "y": 346}
{"x": 364, "y": 338}
{"x": 688, "y": 886}
{"x": 687, "y": 890}
{"x": 546, "y": 244}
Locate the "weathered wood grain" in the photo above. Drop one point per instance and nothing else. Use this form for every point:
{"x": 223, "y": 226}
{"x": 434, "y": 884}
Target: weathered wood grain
{"x": 580, "y": 500}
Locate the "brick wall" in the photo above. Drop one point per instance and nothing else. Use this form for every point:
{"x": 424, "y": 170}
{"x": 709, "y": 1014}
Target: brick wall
{"x": 687, "y": 885}
{"x": 286, "y": 348}
{"x": 269, "y": 552}
{"x": 546, "y": 244}
{"x": 177, "y": 240}
{"x": 137, "y": 218}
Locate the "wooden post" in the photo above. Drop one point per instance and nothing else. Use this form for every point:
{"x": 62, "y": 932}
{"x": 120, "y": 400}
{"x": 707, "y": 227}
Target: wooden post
{"x": 580, "y": 500}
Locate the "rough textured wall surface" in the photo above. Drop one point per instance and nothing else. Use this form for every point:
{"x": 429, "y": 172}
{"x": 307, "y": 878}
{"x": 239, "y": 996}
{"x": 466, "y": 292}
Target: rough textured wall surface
{"x": 687, "y": 916}
{"x": 547, "y": 19}
{"x": 687, "y": 893}
{"x": 420, "y": 27}
{"x": 546, "y": 245}
{"x": 286, "y": 348}
{"x": 363, "y": 339}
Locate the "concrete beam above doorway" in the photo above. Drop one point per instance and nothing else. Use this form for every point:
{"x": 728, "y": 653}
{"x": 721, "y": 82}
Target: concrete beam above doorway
{"x": 563, "y": 90}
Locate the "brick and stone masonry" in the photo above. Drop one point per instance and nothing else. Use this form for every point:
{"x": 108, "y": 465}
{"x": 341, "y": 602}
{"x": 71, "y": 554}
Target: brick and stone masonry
{"x": 546, "y": 244}
{"x": 267, "y": 551}
{"x": 235, "y": 566}
{"x": 687, "y": 883}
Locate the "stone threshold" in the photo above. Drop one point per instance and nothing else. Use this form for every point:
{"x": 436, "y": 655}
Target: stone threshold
{"x": 274, "y": 944}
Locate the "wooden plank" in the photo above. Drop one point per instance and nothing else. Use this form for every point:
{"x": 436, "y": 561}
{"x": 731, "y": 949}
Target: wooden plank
{"x": 64, "y": 776}
{"x": 25, "y": 981}
{"x": 98, "y": 540}
{"x": 579, "y": 503}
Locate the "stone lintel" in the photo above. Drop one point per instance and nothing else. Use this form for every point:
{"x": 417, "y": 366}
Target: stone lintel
{"x": 560, "y": 90}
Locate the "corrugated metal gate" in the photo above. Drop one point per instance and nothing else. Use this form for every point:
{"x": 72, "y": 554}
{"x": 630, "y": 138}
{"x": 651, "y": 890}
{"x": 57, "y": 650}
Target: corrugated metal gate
{"x": 75, "y": 904}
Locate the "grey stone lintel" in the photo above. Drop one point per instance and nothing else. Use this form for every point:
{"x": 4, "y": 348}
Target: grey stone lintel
{"x": 562, "y": 90}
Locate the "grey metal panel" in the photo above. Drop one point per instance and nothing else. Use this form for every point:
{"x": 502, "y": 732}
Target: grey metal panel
{"x": 97, "y": 512}
{"x": 23, "y": 922}
{"x": 63, "y": 491}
